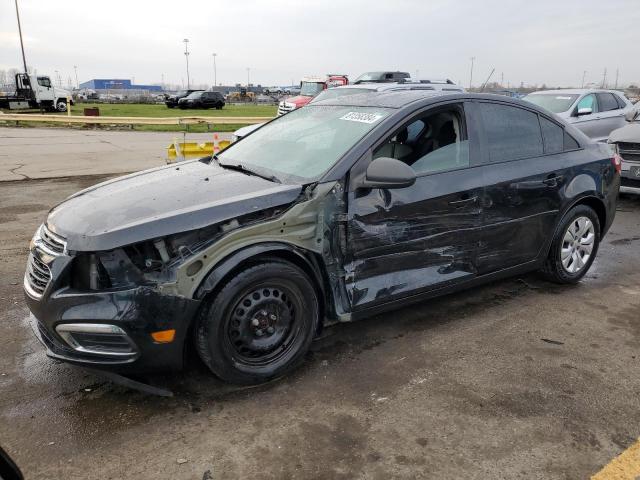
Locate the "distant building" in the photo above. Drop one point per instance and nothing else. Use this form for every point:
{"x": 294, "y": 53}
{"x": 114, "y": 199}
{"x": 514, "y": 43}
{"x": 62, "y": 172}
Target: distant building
{"x": 117, "y": 84}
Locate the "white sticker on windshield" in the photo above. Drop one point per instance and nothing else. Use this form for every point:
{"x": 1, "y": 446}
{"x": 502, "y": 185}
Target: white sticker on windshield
{"x": 563, "y": 98}
{"x": 362, "y": 117}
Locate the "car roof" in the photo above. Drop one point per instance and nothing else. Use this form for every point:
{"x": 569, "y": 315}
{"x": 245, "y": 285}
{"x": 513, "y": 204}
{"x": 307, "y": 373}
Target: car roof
{"x": 574, "y": 91}
{"x": 399, "y": 99}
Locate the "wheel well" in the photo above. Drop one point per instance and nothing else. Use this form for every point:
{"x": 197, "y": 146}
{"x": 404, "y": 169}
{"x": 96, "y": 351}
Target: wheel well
{"x": 598, "y": 206}
{"x": 280, "y": 254}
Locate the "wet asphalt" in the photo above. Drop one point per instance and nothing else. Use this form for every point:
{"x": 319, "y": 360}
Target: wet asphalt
{"x": 517, "y": 379}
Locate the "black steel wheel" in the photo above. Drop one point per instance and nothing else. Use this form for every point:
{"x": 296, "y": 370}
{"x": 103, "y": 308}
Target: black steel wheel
{"x": 260, "y": 325}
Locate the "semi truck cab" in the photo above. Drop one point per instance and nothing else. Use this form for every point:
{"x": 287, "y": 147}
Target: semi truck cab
{"x": 34, "y": 91}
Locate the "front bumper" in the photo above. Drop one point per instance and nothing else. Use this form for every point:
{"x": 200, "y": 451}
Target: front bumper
{"x": 135, "y": 312}
{"x": 629, "y": 183}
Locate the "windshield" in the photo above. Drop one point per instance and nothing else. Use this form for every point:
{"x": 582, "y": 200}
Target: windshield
{"x": 311, "y": 89}
{"x": 194, "y": 95}
{"x": 182, "y": 93}
{"x": 554, "y": 102}
{"x": 339, "y": 92}
{"x": 304, "y": 143}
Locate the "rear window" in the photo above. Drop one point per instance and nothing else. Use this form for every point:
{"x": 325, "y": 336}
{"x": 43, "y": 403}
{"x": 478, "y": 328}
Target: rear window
{"x": 570, "y": 143}
{"x": 511, "y": 132}
{"x": 621, "y": 102}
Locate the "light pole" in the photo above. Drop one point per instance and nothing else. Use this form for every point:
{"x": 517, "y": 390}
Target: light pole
{"x": 75, "y": 68}
{"x": 215, "y": 73}
{"x": 473, "y": 59}
{"x": 186, "y": 56}
{"x": 58, "y": 78}
{"x": 248, "y": 76}
{"x": 24, "y": 60}
{"x": 584, "y": 74}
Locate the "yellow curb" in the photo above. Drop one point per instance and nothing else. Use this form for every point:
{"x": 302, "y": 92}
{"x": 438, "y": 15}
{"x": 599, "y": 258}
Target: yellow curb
{"x": 625, "y": 466}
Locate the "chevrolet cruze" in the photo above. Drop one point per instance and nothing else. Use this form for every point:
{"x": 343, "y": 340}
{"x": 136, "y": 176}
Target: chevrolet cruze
{"x": 345, "y": 208}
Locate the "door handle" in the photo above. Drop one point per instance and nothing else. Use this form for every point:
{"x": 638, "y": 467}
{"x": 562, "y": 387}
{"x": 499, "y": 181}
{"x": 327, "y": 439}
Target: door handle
{"x": 553, "y": 181}
{"x": 464, "y": 201}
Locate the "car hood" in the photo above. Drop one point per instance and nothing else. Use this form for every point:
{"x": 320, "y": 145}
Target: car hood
{"x": 630, "y": 133}
{"x": 162, "y": 201}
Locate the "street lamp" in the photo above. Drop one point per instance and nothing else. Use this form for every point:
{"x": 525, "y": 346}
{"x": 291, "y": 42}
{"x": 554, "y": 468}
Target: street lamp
{"x": 215, "y": 76}
{"x": 75, "y": 68}
{"x": 248, "y": 76}
{"x": 186, "y": 56}
{"x": 473, "y": 59}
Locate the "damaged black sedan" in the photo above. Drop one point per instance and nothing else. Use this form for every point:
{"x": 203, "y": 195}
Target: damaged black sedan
{"x": 333, "y": 212}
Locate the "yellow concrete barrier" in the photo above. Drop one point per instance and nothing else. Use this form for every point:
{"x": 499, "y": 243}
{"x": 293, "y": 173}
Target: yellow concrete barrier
{"x": 186, "y": 150}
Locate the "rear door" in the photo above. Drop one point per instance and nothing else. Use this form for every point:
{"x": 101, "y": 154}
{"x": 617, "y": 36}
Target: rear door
{"x": 524, "y": 173}
{"x": 416, "y": 239}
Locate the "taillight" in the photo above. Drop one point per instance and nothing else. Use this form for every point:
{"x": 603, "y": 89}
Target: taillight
{"x": 616, "y": 160}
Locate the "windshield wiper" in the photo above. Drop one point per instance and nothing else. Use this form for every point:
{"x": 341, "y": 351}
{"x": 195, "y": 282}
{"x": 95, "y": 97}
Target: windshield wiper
{"x": 241, "y": 168}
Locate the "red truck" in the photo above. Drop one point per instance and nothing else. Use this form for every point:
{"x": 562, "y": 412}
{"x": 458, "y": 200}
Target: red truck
{"x": 309, "y": 88}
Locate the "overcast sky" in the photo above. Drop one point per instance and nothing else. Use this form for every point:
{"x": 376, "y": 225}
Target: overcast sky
{"x": 539, "y": 41}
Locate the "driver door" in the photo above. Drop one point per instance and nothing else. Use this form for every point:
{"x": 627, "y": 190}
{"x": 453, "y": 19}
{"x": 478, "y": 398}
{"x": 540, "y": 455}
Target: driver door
{"x": 406, "y": 241}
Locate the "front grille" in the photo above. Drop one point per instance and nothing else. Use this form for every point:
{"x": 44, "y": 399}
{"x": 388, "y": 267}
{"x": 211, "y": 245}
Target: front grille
{"x": 630, "y": 152}
{"x": 38, "y": 276}
{"x": 284, "y": 108}
{"x": 46, "y": 246}
{"x": 51, "y": 241}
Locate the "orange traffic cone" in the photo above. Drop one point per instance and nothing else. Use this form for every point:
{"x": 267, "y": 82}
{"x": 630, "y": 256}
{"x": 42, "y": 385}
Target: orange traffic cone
{"x": 216, "y": 144}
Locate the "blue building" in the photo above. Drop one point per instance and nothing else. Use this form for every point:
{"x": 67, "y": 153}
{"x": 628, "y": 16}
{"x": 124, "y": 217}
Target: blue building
{"x": 117, "y": 84}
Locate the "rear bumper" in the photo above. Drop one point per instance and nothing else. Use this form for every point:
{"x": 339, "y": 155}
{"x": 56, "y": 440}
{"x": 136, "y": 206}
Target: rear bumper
{"x": 136, "y": 313}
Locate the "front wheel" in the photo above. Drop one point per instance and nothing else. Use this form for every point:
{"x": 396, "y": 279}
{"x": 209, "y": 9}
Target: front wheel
{"x": 260, "y": 325}
{"x": 574, "y": 246}
{"x": 61, "y": 106}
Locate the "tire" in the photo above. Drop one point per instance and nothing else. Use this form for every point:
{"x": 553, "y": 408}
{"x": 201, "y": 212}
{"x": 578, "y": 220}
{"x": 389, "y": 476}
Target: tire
{"x": 61, "y": 105}
{"x": 577, "y": 235}
{"x": 260, "y": 325}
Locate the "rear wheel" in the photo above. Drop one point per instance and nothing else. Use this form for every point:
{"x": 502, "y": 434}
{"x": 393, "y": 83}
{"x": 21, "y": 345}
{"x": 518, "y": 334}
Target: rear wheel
{"x": 574, "y": 247}
{"x": 260, "y": 325}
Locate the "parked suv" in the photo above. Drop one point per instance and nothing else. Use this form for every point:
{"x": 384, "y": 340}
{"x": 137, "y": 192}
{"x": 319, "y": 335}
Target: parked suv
{"x": 331, "y": 213}
{"x": 382, "y": 77}
{"x": 172, "y": 100}
{"x": 596, "y": 112}
{"x": 202, "y": 100}
{"x": 627, "y": 144}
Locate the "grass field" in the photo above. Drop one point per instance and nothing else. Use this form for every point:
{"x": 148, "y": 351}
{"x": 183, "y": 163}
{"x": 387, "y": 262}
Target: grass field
{"x": 146, "y": 110}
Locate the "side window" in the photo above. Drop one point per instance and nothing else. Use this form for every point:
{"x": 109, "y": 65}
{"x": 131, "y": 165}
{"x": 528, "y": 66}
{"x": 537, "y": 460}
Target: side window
{"x": 44, "y": 82}
{"x": 434, "y": 142}
{"x": 607, "y": 102}
{"x": 553, "y": 136}
{"x": 511, "y": 132}
{"x": 588, "y": 101}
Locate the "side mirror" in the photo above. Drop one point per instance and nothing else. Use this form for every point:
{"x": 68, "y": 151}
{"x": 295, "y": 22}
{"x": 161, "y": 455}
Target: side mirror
{"x": 632, "y": 114}
{"x": 388, "y": 173}
{"x": 8, "y": 469}
{"x": 585, "y": 111}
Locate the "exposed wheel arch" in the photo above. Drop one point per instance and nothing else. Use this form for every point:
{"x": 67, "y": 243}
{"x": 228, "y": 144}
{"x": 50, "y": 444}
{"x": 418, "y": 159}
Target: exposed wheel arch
{"x": 258, "y": 253}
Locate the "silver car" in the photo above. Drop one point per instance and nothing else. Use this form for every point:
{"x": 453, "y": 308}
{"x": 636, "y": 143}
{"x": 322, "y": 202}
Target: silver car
{"x": 596, "y": 112}
{"x": 422, "y": 85}
{"x": 627, "y": 143}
